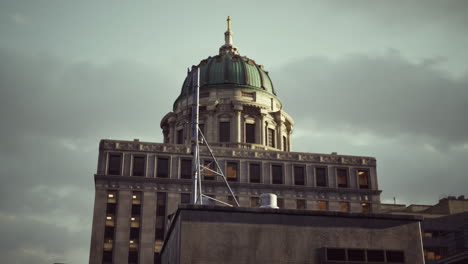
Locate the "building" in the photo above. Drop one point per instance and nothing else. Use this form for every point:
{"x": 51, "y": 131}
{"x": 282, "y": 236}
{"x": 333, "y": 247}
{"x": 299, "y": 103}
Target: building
{"x": 139, "y": 184}
{"x": 222, "y": 235}
{"x": 444, "y": 229}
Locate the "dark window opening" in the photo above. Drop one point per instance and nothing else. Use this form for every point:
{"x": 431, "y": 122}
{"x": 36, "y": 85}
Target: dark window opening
{"x": 336, "y": 254}
{"x": 280, "y": 202}
{"x": 180, "y": 136}
{"x": 299, "y": 178}
{"x": 301, "y": 204}
{"x": 201, "y": 127}
{"x": 115, "y": 164}
{"x": 249, "y": 133}
{"x": 363, "y": 176}
{"x": 138, "y": 166}
{"x": 285, "y": 144}
{"x": 163, "y": 168}
{"x": 342, "y": 177}
{"x": 356, "y": 255}
{"x": 107, "y": 256}
{"x": 186, "y": 169}
{"x": 134, "y": 233}
{"x": 375, "y": 256}
{"x": 395, "y": 256}
{"x": 185, "y": 198}
{"x": 133, "y": 257}
{"x": 254, "y": 172}
{"x": 110, "y": 209}
{"x": 232, "y": 171}
{"x": 277, "y": 174}
{"x": 321, "y": 176}
{"x": 224, "y": 131}
{"x": 161, "y": 198}
{"x": 157, "y": 258}
{"x": 136, "y": 209}
{"x": 271, "y": 137}
{"x": 109, "y": 232}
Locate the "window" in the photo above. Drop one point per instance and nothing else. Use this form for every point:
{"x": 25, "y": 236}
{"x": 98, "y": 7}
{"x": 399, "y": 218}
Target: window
{"x": 342, "y": 178}
{"x": 363, "y": 176}
{"x": 180, "y": 136}
{"x": 138, "y": 166}
{"x": 375, "y": 256}
{"x": 321, "y": 176}
{"x": 356, "y": 255}
{"x": 285, "y": 144}
{"x": 271, "y": 137}
{"x": 160, "y": 215}
{"x": 163, "y": 168}
{"x": 336, "y": 254}
{"x": 224, "y": 131}
{"x": 395, "y": 256}
{"x": 365, "y": 207}
{"x": 115, "y": 164}
{"x": 208, "y": 174}
{"x": 230, "y": 200}
{"x": 132, "y": 255}
{"x": 111, "y": 208}
{"x": 344, "y": 206}
{"x": 254, "y": 172}
{"x": 299, "y": 175}
{"x": 185, "y": 198}
{"x": 201, "y": 127}
{"x": 249, "y": 133}
{"x": 300, "y": 204}
{"x": 186, "y": 169}
{"x": 280, "y": 202}
{"x": 277, "y": 174}
{"x": 232, "y": 171}
{"x": 254, "y": 202}
{"x": 107, "y": 256}
{"x": 322, "y": 205}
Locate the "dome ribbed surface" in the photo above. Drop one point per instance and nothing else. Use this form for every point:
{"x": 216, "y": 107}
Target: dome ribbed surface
{"x": 225, "y": 71}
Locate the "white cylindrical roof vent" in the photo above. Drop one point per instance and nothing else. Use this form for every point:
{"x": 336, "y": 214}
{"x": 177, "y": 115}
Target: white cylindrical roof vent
{"x": 268, "y": 200}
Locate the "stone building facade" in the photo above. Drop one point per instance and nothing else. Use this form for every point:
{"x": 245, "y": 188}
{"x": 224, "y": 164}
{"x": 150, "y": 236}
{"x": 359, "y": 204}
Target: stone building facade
{"x": 139, "y": 185}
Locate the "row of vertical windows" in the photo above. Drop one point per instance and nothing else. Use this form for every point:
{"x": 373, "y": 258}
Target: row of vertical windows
{"x": 109, "y": 227}
{"x": 135, "y": 223}
{"x": 364, "y": 255}
{"x": 225, "y": 134}
{"x": 232, "y": 171}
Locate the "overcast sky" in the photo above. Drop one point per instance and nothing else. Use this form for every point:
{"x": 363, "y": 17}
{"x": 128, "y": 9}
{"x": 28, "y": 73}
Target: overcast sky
{"x": 387, "y": 79}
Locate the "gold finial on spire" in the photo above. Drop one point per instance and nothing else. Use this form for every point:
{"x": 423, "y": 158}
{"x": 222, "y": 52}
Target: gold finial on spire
{"x": 229, "y": 23}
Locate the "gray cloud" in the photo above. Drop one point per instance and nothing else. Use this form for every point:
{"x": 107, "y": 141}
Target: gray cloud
{"x": 53, "y": 115}
{"x": 384, "y": 95}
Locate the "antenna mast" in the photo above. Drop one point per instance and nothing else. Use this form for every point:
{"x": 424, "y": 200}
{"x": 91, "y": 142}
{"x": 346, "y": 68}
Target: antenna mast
{"x": 197, "y": 138}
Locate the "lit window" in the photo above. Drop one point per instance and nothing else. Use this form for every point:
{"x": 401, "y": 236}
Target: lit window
{"x": 344, "y": 206}
{"x": 209, "y": 171}
{"x": 363, "y": 176}
{"x": 109, "y": 217}
{"x": 232, "y": 171}
{"x": 323, "y": 205}
{"x": 365, "y": 207}
{"x": 254, "y": 202}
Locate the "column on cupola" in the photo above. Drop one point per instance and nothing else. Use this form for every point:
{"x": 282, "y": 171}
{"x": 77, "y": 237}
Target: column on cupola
{"x": 279, "y": 128}
{"x": 172, "y": 132}
{"x": 237, "y": 126}
{"x": 262, "y": 127}
{"x": 210, "y": 124}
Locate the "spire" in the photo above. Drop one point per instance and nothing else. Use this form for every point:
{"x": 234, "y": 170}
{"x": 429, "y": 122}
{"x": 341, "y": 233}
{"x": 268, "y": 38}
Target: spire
{"x": 228, "y": 47}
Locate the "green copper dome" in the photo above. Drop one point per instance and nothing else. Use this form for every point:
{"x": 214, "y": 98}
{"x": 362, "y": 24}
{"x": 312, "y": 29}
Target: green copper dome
{"x": 230, "y": 70}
